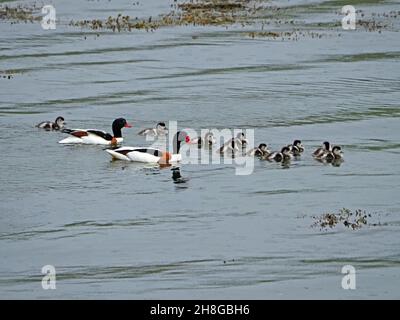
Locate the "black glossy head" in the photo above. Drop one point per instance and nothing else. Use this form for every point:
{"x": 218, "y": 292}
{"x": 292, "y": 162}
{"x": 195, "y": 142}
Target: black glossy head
{"x": 262, "y": 146}
{"x": 161, "y": 124}
{"x": 117, "y": 125}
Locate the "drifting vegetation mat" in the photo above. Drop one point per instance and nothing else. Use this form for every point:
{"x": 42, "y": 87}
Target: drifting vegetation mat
{"x": 261, "y": 18}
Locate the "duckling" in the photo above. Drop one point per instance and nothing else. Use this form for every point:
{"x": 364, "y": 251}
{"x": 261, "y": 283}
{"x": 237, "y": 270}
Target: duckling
{"x": 234, "y": 144}
{"x": 208, "y": 140}
{"x": 334, "y": 155}
{"x": 260, "y": 151}
{"x": 326, "y": 147}
{"x": 159, "y": 130}
{"x": 296, "y": 148}
{"x": 56, "y": 125}
{"x": 282, "y": 156}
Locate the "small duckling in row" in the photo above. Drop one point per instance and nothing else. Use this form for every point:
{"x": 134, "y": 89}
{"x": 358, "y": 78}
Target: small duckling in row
{"x": 296, "y": 148}
{"x": 328, "y": 152}
{"x": 160, "y": 130}
{"x": 334, "y": 155}
{"x": 58, "y": 124}
{"x": 326, "y": 147}
{"x": 282, "y": 156}
{"x": 260, "y": 151}
{"x": 235, "y": 144}
{"x": 208, "y": 140}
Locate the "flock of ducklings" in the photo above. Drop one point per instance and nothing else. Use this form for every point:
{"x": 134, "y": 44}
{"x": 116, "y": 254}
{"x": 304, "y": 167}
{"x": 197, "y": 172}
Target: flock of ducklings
{"x": 326, "y": 153}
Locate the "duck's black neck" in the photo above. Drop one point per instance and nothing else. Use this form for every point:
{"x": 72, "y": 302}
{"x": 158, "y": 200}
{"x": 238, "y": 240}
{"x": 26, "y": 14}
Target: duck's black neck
{"x": 177, "y": 143}
{"x": 117, "y": 131}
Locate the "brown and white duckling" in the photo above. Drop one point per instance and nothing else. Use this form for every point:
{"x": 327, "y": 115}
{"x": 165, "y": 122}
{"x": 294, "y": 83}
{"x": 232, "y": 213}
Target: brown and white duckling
{"x": 282, "y": 156}
{"x": 208, "y": 140}
{"x": 56, "y": 125}
{"x": 260, "y": 151}
{"x": 334, "y": 155}
{"x": 296, "y": 148}
{"x": 160, "y": 130}
{"x": 326, "y": 147}
{"x": 235, "y": 144}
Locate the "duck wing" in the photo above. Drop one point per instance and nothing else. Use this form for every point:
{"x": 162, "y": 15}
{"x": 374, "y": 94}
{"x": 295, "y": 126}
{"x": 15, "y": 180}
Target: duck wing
{"x": 101, "y": 134}
{"x": 79, "y": 133}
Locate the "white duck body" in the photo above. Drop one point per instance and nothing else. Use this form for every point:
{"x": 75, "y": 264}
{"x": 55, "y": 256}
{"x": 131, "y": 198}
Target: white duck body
{"x": 151, "y": 155}
{"x": 90, "y": 138}
{"x": 141, "y": 154}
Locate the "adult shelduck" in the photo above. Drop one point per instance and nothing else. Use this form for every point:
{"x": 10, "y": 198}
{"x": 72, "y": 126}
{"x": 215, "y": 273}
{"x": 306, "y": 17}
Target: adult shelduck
{"x": 151, "y": 155}
{"x": 94, "y": 136}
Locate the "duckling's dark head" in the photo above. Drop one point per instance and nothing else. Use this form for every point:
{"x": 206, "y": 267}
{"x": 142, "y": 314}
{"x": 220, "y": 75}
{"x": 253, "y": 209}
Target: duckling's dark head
{"x": 209, "y": 137}
{"x": 285, "y": 150}
{"x": 297, "y": 143}
{"x": 327, "y": 145}
{"x": 337, "y": 150}
{"x": 262, "y": 146}
{"x": 60, "y": 122}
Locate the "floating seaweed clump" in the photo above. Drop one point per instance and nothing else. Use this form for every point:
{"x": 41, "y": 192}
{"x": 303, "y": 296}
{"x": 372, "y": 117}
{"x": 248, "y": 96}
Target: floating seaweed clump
{"x": 346, "y": 217}
{"x": 211, "y": 12}
{"x": 119, "y": 23}
{"x": 20, "y": 13}
{"x": 212, "y": 5}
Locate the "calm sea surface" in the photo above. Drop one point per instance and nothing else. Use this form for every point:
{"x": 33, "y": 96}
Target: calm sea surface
{"x": 123, "y": 230}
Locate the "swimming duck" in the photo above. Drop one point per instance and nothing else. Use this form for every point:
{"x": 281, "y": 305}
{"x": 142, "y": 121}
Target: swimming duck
{"x": 94, "y": 136}
{"x": 326, "y": 147}
{"x": 159, "y": 130}
{"x": 208, "y": 140}
{"x": 56, "y": 125}
{"x": 296, "y": 148}
{"x": 260, "y": 151}
{"x": 151, "y": 155}
{"x": 334, "y": 155}
{"x": 233, "y": 145}
{"x": 177, "y": 177}
{"x": 282, "y": 156}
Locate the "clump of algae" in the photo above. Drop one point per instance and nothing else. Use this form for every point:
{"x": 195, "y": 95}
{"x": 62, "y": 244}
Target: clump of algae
{"x": 20, "y": 13}
{"x": 350, "y": 219}
{"x": 200, "y": 12}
